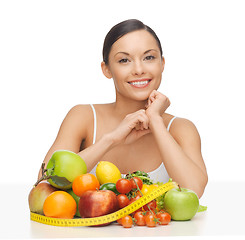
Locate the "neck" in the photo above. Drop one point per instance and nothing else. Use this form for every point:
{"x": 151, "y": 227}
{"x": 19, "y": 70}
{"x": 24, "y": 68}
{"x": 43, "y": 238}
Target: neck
{"x": 122, "y": 107}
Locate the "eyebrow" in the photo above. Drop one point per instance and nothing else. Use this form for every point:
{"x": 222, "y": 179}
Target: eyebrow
{"x": 129, "y": 54}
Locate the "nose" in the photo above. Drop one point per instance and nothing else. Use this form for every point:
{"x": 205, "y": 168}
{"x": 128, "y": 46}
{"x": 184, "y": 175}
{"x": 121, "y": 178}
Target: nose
{"x": 138, "y": 68}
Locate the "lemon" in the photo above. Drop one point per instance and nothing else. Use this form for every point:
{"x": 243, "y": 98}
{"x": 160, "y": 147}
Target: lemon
{"x": 107, "y": 172}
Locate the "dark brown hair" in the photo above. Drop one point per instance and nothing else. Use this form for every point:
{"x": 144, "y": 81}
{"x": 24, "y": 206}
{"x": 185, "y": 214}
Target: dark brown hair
{"x": 120, "y": 30}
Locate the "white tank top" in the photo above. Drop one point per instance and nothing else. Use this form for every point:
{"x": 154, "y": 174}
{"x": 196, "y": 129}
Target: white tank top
{"x": 158, "y": 175}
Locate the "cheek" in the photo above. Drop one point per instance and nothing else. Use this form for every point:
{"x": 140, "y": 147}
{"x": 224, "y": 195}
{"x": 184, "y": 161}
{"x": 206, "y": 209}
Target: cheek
{"x": 156, "y": 70}
{"x": 120, "y": 74}
{"x": 118, "y": 78}
{"x": 159, "y": 69}
{"x": 157, "y": 73}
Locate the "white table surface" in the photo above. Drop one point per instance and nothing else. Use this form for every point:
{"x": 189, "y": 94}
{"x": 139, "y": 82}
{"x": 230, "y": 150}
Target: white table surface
{"x": 224, "y": 217}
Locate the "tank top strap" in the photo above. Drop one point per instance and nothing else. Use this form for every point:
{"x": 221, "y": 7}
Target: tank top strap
{"x": 95, "y": 123}
{"x": 170, "y": 122}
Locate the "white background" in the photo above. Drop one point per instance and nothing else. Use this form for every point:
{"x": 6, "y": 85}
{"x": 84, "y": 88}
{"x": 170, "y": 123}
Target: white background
{"x": 50, "y": 55}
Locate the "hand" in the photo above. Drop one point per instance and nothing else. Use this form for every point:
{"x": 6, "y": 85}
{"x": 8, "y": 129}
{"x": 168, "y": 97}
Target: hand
{"x": 157, "y": 104}
{"x": 133, "y": 126}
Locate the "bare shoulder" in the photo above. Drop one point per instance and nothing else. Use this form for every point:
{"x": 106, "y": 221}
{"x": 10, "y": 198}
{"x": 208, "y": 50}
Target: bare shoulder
{"x": 73, "y": 130}
{"x": 82, "y": 115}
{"x": 183, "y": 123}
{"x": 80, "y": 112}
{"x": 101, "y": 108}
{"x": 76, "y": 121}
{"x": 184, "y": 131}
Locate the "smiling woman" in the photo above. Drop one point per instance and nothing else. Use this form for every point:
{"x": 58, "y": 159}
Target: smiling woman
{"x": 134, "y": 131}
{"x": 132, "y": 67}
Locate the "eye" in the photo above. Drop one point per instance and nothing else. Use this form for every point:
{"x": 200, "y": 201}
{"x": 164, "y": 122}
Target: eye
{"x": 150, "y": 57}
{"x": 123, "y": 60}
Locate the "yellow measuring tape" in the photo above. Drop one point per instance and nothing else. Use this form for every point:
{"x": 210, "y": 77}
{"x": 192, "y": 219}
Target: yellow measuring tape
{"x": 76, "y": 222}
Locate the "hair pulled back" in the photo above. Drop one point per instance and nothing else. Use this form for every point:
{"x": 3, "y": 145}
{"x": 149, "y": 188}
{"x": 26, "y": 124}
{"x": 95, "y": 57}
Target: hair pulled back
{"x": 120, "y": 30}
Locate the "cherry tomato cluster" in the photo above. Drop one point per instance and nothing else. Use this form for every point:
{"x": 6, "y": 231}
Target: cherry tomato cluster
{"x": 125, "y": 185}
{"x": 145, "y": 216}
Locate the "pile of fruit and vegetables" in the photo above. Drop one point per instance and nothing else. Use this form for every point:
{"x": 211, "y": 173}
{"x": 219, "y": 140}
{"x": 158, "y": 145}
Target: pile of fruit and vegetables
{"x": 67, "y": 191}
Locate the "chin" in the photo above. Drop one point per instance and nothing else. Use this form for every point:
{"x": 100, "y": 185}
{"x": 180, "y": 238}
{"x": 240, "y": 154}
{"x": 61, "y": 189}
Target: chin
{"x": 143, "y": 96}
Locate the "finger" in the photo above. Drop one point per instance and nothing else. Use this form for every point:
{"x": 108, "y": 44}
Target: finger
{"x": 138, "y": 123}
{"x": 138, "y": 126}
{"x": 143, "y": 132}
{"x": 142, "y": 126}
{"x": 149, "y": 101}
{"x": 153, "y": 97}
{"x": 147, "y": 104}
{"x": 138, "y": 120}
{"x": 143, "y": 117}
{"x": 144, "y": 121}
{"x": 153, "y": 94}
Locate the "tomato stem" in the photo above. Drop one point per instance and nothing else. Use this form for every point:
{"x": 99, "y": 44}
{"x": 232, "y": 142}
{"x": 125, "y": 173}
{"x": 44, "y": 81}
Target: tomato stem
{"x": 141, "y": 193}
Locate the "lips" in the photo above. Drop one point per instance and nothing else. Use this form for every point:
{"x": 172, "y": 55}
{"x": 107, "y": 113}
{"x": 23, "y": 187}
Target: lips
{"x": 140, "y": 83}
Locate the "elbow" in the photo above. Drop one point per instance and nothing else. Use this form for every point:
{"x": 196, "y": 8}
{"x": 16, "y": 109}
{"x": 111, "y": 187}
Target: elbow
{"x": 200, "y": 187}
{"x": 197, "y": 185}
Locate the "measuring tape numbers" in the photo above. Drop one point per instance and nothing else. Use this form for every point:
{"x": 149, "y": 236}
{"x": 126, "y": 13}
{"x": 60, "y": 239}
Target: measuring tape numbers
{"x": 76, "y": 222}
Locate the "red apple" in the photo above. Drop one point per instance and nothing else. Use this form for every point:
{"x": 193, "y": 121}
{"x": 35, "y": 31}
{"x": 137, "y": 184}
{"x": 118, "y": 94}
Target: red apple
{"x": 38, "y": 195}
{"x": 95, "y": 203}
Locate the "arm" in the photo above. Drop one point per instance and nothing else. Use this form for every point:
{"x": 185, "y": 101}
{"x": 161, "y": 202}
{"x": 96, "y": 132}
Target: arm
{"x": 73, "y": 131}
{"x": 132, "y": 127}
{"x": 181, "y": 151}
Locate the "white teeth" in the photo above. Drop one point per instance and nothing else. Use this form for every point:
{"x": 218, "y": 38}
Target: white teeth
{"x": 139, "y": 83}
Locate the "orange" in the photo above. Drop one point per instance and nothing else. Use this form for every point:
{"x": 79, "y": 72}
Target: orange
{"x": 59, "y": 204}
{"x": 85, "y": 182}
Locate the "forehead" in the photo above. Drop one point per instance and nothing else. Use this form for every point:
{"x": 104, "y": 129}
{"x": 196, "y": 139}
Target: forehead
{"x": 140, "y": 40}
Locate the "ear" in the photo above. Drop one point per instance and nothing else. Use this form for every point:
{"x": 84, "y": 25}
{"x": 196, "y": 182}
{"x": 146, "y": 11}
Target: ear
{"x": 163, "y": 63}
{"x": 106, "y": 71}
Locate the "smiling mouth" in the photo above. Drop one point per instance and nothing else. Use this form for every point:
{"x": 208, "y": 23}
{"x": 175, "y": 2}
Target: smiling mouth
{"x": 140, "y": 83}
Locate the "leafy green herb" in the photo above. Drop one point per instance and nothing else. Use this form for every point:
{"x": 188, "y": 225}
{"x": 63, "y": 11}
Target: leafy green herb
{"x": 142, "y": 175}
{"x": 202, "y": 208}
{"x": 160, "y": 199}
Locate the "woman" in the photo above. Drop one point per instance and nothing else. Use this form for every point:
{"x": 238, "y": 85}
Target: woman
{"x": 134, "y": 132}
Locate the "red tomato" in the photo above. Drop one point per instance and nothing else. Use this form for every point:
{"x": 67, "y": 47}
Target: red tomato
{"x": 150, "y": 220}
{"x": 123, "y": 200}
{"x": 163, "y": 217}
{"x": 127, "y": 221}
{"x": 119, "y": 221}
{"x": 148, "y": 212}
{"x": 133, "y": 200}
{"x": 139, "y": 218}
{"x": 123, "y": 185}
{"x": 152, "y": 205}
{"x": 138, "y": 181}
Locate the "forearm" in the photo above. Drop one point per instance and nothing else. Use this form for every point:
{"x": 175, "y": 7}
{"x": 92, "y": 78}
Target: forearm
{"x": 178, "y": 165}
{"x": 95, "y": 152}
{"x": 90, "y": 155}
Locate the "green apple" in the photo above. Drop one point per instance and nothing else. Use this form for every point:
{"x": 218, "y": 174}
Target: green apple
{"x": 37, "y": 196}
{"x": 76, "y": 198}
{"x": 181, "y": 203}
{"x": 63, "y": 167}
